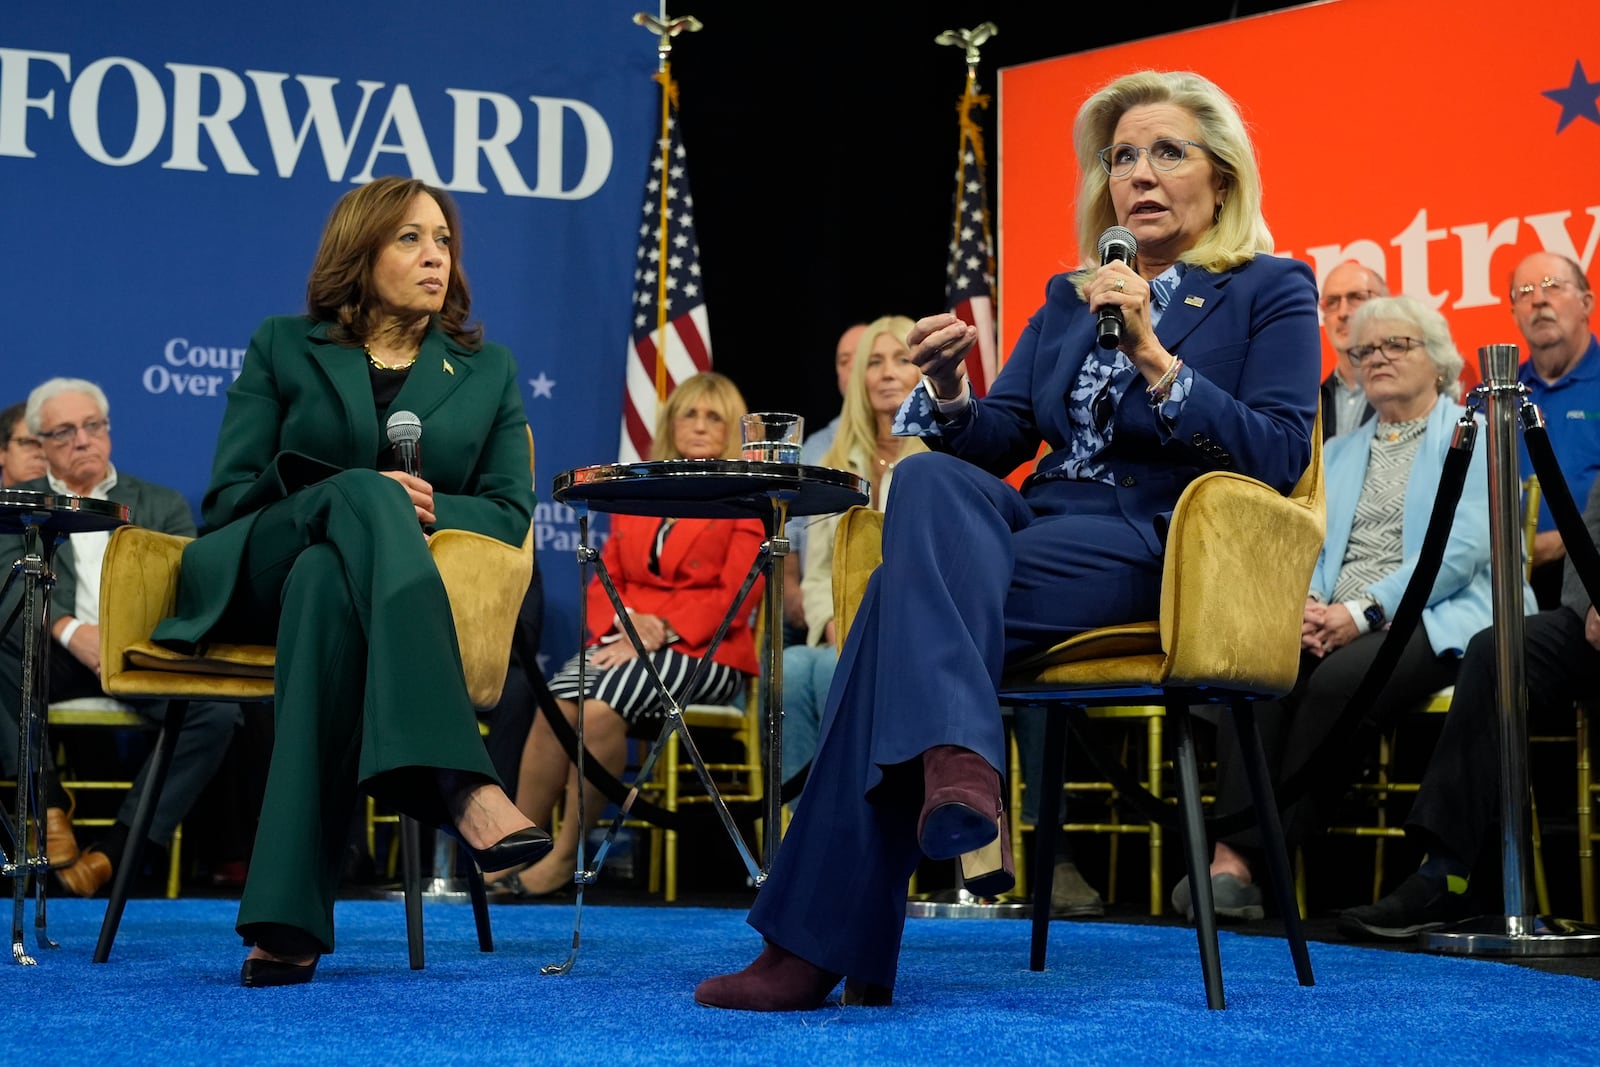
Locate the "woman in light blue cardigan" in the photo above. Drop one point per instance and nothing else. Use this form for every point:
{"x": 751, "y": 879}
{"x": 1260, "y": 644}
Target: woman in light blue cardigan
{"x": 1381, "y": 479}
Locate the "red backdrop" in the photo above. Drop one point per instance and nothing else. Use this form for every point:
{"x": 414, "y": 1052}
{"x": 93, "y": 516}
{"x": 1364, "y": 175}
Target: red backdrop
{"x": 1417, "y": 138}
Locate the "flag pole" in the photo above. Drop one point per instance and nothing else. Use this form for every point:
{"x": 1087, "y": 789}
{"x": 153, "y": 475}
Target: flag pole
{"x": 971, "y": 41}
{"x": 970, "y": 288}
{"x": 665, "y": 30}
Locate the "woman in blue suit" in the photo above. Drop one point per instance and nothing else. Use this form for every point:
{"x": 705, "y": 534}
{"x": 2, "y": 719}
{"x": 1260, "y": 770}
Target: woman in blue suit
{"x": 318, "y": 544}
{"x": 1217, "y": 367}
{"x": 1381, "y": 479}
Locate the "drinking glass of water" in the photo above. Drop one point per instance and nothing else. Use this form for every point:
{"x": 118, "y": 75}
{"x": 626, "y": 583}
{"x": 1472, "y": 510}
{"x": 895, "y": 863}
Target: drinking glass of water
{"x": 771, "y": 436}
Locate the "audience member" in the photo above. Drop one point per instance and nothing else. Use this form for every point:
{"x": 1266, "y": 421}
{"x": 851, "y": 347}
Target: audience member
{"x": 1552, "y": 303}
{"x": 1381, "y": 479}
{"x": 317, "y": 543}
{"x": 812, "y": 451}
{"x": 1458, "y": 804}
{"x": 1344, "y": 402}
{"x": 881, "y": 376}
{"x": 73, "y": 419}
{"x": 677, "y": 578}
{"x": 818, "y": 441}
{"x": 21, "y": 453}
{"x": 1215, "y": 365}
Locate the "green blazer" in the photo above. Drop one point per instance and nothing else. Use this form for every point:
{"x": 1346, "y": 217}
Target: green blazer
{"x": 302, "y": 410}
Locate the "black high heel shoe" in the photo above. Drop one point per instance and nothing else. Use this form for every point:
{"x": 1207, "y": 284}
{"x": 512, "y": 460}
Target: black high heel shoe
{"x": 513, "y": 850}
{"x": 259, "y": 972}
{"x": 280, "y": 940}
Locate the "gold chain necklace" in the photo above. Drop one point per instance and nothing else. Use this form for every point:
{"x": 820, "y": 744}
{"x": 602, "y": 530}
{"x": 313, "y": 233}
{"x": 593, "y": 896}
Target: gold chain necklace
{"x": 381, "y": 365}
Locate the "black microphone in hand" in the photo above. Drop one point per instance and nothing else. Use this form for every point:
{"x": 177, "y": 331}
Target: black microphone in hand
{"x": 1117, "y": 244}
{"x": 405, "y": 434}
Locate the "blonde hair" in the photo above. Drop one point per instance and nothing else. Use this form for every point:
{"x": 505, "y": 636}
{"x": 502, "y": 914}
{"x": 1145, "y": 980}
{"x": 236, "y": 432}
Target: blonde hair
{"x": 855, "y": 445}
{"x": 709, "y": 385}
{"x": 1239, "y": 232}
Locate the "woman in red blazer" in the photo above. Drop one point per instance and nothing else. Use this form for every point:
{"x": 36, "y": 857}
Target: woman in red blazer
{"x": 677, "y": 578}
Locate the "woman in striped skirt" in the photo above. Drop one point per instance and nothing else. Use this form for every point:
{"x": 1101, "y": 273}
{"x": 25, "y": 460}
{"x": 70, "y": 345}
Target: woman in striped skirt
{"x": 677, "y": 578}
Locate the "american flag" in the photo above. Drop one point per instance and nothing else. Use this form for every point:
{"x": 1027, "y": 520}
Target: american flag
{"x": 969, "y": 288}
{"x": 666, "y": 289}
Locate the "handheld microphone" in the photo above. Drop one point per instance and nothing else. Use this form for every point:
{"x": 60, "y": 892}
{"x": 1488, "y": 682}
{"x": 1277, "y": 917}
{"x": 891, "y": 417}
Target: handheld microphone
{"x": 405, "y": 434}
{"x": 1117, "y": 244}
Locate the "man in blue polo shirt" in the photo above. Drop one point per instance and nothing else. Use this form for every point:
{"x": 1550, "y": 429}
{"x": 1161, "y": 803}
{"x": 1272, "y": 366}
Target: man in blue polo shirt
{"x": 1552, "y": 301}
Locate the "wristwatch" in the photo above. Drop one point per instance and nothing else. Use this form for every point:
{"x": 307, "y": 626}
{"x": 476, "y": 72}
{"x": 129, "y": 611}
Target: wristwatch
{"x": 1374, "y": 613}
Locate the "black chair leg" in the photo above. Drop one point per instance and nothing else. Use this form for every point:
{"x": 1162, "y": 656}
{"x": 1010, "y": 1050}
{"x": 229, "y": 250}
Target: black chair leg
{"x": 1194, "y": 852}
{"x": 143, "y": 814}
{"x": 411, "y": 882}
{"x": 1255, "y": 766}
{"x": 480, "y": 904}
{"x": 1046, "y": 828}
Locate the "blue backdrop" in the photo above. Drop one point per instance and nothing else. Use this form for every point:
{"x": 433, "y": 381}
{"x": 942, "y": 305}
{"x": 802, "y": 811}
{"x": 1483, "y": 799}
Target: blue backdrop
{"x": 167, "y": 169}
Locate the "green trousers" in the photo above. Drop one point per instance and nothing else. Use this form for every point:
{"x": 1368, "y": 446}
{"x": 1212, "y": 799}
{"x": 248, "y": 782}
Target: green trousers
{"x": 369, "y": 688}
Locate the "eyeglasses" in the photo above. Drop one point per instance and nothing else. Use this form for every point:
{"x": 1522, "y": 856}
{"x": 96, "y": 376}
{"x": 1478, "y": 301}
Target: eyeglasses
{"x": 1165, "y": 154}
{"x": 1332, "y": 301}
{"x": 1392, "y": 347}
{"x": 65, "y": 434}
{"x": 1521, "y": 294}
{"x": 32, "y": 444}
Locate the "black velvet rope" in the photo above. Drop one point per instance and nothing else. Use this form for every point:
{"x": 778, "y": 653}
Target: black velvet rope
{"x": 1575, "y": 537}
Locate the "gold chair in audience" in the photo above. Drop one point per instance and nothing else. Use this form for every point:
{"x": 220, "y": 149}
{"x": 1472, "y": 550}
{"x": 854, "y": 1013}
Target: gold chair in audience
{"x": 738, "y": 776}
{"x": 1588, "y": 789}
{"x": 1228, "y": 631}
{"x": 484, "y": 578}
{"x": 1148, "y": 721}
{"x": 104, "y": 713}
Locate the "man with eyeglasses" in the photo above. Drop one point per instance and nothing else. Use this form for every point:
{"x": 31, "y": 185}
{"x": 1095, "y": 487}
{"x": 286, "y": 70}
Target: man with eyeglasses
{"x": 1551, "y": 302}
{"x": 71, "y": 417}
{"x": 1346, "y": 288}
{"x": 21, "y": 454}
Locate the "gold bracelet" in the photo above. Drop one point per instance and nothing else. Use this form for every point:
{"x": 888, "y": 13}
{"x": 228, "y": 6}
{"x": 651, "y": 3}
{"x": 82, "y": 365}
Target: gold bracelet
{"x": 1163, "y": 387}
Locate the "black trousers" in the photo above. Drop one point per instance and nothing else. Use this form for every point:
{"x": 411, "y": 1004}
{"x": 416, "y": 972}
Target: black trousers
{"x": 1296, "y": 729}
{"x": 1458, "y": 805}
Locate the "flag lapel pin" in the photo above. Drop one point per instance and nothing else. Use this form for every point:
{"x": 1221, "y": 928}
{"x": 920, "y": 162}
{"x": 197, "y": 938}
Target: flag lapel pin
{"x": 1195, "y": 301}
{"x": 448, "y": 369}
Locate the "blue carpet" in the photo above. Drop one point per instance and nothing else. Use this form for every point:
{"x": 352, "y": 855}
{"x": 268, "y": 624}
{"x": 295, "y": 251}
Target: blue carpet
{"x": 1113, "y": 994}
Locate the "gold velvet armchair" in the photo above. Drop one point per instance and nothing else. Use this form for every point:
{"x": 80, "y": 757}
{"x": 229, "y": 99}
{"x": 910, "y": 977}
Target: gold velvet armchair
{"x": 484, "y": 578}
{"x": 1238, "y": 563}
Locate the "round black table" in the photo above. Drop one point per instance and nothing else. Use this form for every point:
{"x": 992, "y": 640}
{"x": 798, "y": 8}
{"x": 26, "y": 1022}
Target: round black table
{"x": 42, "y": 520}
{"x": 711, "y": 488}
{"x": 714, "y": 489}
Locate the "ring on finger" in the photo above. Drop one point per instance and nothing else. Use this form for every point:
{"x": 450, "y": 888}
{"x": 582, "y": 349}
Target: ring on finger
{"x": 1119, "y": 285}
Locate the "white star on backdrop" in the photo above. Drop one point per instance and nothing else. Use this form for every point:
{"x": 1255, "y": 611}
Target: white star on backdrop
{"x": 542, "y": 386}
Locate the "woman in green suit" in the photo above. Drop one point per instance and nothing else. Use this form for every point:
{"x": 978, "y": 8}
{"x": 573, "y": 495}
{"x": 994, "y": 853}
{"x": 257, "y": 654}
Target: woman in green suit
{"x": 317, "y": 543}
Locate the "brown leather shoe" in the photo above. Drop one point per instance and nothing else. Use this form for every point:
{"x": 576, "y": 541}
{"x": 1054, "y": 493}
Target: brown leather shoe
{"x": 60, "y": 845}
{"x": 88, "y": 876}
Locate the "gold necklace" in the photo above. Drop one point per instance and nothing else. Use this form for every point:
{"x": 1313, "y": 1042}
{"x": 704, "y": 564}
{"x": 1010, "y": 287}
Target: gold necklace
{"x": 378, "y": 363}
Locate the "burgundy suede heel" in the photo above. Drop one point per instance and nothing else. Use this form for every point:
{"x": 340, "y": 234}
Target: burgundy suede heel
{"x": 961, "y": 810}
{"x": 778, "y": 980}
